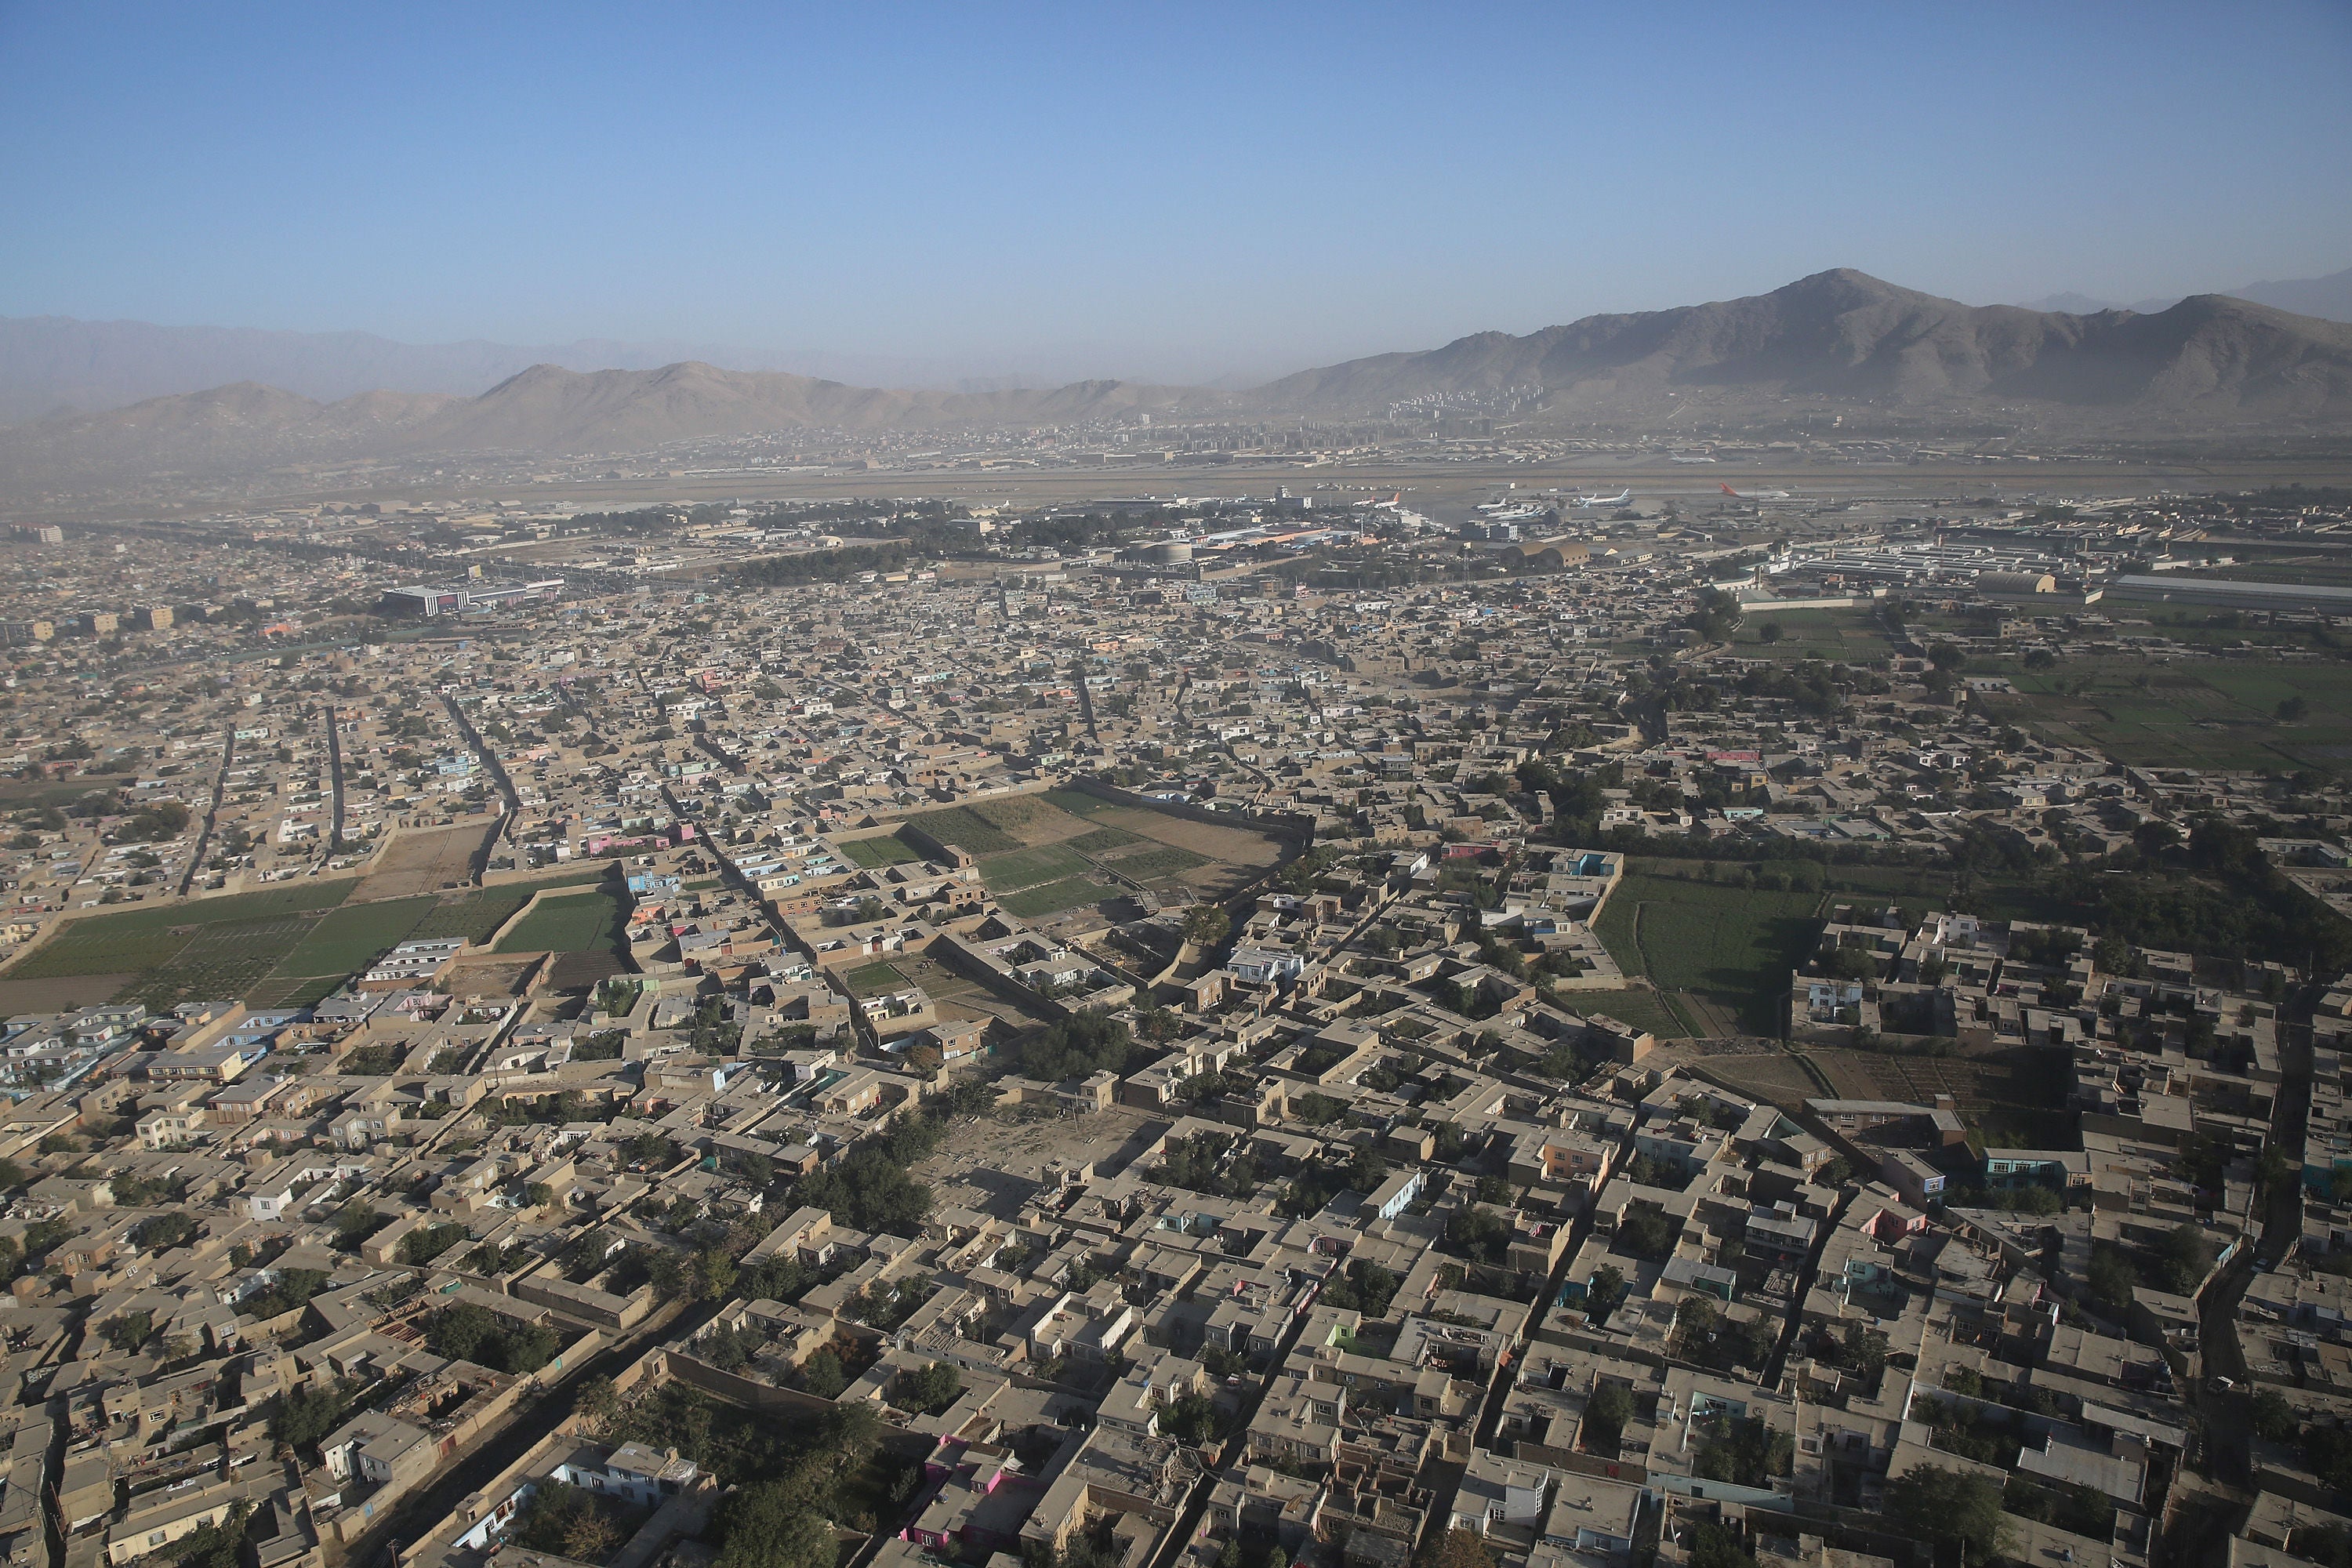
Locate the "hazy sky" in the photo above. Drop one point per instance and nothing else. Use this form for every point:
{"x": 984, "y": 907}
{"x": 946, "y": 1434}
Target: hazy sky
{"x": 1174, "y": 191}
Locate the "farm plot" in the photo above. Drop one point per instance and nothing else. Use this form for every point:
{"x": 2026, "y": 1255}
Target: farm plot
{"x": 144, "y": 939}
{"x": 2221, "y": 713}
{"x": 883, "y": 849}
{"x": 1730, "y": 945}
{"x": 874, "y": 979}
{"x": 575, "y": 922}
{"x": 1162, "y": 863}
{"x": 351, "y": 937}
{"x": 220, "y": 961}
{"x": 958, "y": 996}
{"x": 965, "y": 830}
{"x": 1028, "y": 868}
{"x": 1070, "y": 893}
{"x": 1642, "y": 1009}
{"x": 1782, "y": 1079}
{"x": 2013, "y": 1097}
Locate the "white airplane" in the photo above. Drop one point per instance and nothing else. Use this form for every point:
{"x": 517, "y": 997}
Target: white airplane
{"x": 1754, "y": 495}
{"x": 1619, "y": 499}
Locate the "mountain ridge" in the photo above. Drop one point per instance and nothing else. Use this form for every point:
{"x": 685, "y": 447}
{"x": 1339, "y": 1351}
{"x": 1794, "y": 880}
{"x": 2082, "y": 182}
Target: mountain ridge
{"x": 1839, "y": 336}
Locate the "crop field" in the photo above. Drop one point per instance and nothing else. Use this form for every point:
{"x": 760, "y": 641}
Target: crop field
{"x": 575, "y": 922}
{"x": 1076, "y": 802}
{"x": 141, "y": 939}
{"x": 1838, "y": 636}
{"x": 1642, "y": 1009}
{"x": 1043, "y": 853}
{"x": 350, "y": 937}
{"x": 2014, "y": 1098}
{"x": 278, "y": 947}
{"x": 1155, "y": 865}
{"x": 2202, "y": 713}
{"x": 884, "y": 849}
{"x": 1028, "y": 868}
{"x": 1069, "y": 893}
{"x": 874, "y": 979}
{"x": 1727, "y": 945}
{"x": 1774, "y": 1076}
{"x": 221, "y": 962}
{"x": 966, "y": 830}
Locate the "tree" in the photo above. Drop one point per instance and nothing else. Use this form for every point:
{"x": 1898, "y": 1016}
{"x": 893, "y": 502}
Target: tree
{"x": 1770, "y": 631}
{"x": 1646, "y": 1232}
{"x": 599, "y": 1399}
{"x": 1605, "y": 1415}
{"x": 1601, "y": 1294}
{"x": 1206, "y": 925}
{"x": 1463, "y": 1549}
{"x": 1931, "y": 1503}
{"x": 930, "y": 1389}
{"x": 824, "y": 1375}
{"x": 771, "y": 1525}
{"x": 2274, "y": 1416}
{"x": 301, "y": 1416}
{"x": 213, "y": 1545}
{"x": 2291, "y": 710}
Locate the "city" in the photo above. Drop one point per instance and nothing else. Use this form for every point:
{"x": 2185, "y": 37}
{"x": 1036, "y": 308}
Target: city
{"x": 1169, "y": 1028}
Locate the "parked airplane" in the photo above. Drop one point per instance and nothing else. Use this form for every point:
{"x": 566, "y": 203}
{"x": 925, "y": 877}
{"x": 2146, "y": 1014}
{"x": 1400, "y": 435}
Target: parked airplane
{"x": 1621, "y": 498}
{"x": 1754, "y": 495}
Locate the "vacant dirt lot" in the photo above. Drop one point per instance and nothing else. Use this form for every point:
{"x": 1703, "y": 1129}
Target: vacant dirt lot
{"x": 990, "y": 1164}
{"x": 1778, "y": 1078}
{"x": 57, "y": 996}
{"x": 424, "y": 862}
{"x": 1237, "y": 845}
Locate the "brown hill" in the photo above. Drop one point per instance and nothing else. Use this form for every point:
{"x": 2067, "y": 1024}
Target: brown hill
{"x": 549, "y": 409}
{"x": 1845, "y": 335}
{"x": 2209, "y": 362}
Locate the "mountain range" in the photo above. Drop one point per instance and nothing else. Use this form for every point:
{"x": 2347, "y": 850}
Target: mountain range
{"x": 2328, "y": 297}
{"x": 2210, "y": 361}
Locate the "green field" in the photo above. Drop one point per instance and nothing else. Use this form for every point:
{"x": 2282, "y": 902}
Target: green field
{"x": 874, "y": 979}
{"x": 1845, "y": 636}
{"x": 2194, "y": 713}
{"x": 575, "y": 922}
{"x": 1027, "y": 867}
{"x": 147, "y": 938}
{"x": 1730, "y": 945}
{"x": 1055, "y": 897}
{"x": 889, "y": 850}
{"x": 1642, "y": 1009}
{"x": 964, "y": 829}
{"x": 1100, "y": 839}
{"x": 1076, "y": 802}
{"x": 1152, "y": 865}
{"x": 351, "y": 937}
{"x": 276, "y": 948}
{"x": 478, "y": 914}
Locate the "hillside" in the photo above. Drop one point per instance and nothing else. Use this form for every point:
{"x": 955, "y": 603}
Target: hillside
{"x": 1847, "y": 336}
{"x": 2210, "y": 362}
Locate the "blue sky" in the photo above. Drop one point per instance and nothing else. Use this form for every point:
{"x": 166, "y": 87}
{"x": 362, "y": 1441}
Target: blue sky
{"x": 1171, "y": 191}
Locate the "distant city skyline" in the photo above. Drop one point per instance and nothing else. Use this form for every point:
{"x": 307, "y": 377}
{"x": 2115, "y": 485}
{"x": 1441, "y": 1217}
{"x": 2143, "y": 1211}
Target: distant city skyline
{"x": 1219, "y": 193}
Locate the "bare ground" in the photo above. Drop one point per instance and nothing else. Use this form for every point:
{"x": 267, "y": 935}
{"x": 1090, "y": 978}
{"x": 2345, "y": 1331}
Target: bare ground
{"x": 1235, "y": 846}
{"x": 58, "y": 996}
{"x": 990, "y": 1165}
{"x": 424, "y": 862}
